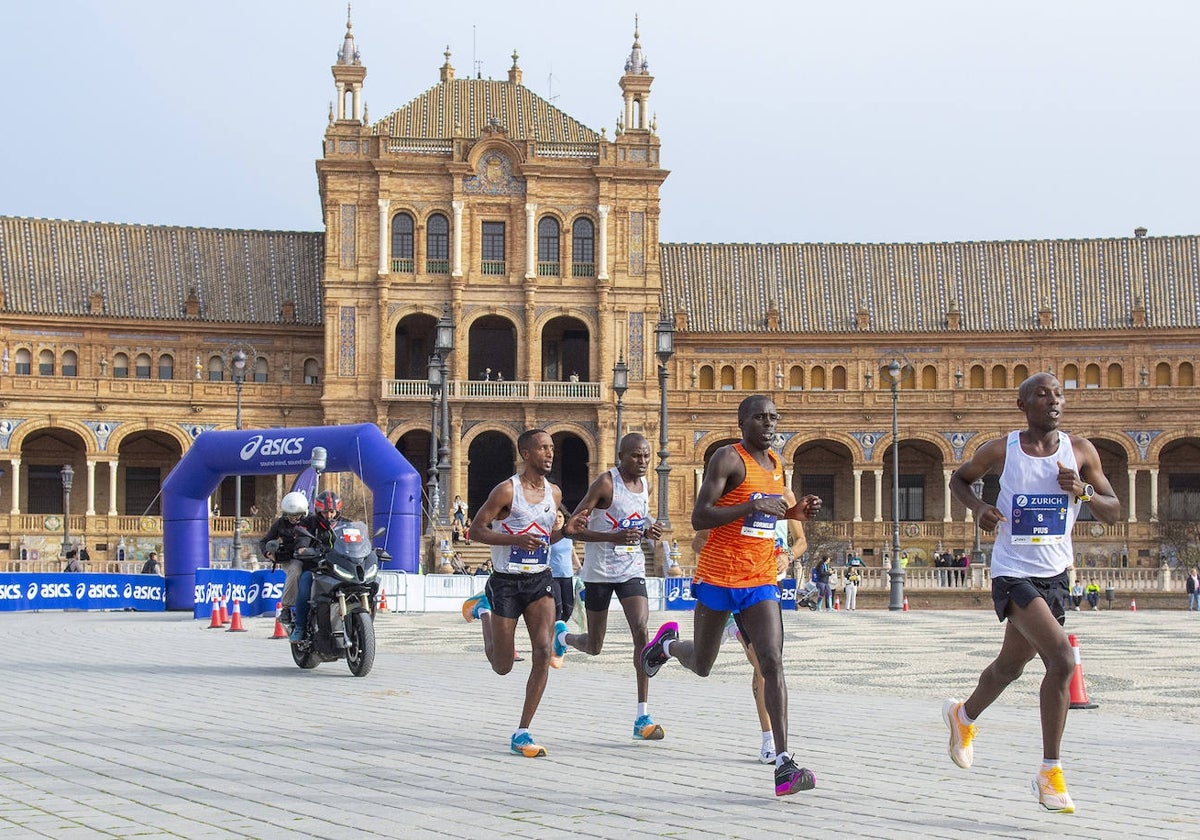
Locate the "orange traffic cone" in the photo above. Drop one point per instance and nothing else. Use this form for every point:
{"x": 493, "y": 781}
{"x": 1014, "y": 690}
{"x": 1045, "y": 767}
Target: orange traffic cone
{"x": 1079, "y": 696}
{"x": 236, "y": 619}
{"x": 837, "y": 603}
{"x": 215, "y": 623}
{"x": 905, "y": 608}
{"x": 1133, "y": 606}
{"x": 224, "y": 612}
{"x": 383, "y": 607}
{"x": 279, "y": 633}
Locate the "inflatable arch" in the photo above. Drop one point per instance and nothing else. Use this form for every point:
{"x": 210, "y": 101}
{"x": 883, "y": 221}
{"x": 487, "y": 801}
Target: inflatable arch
{"x": 362, "y": 449}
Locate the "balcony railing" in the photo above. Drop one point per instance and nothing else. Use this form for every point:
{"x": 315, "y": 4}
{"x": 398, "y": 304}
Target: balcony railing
{"x": 472, "y": 389}
{"x": 583, "y": 269}
{"x": 437, "y": 266}
{"x": 402, "y": 266}
{"x": 548, "y": 269}
{"x": 494, "y": 268}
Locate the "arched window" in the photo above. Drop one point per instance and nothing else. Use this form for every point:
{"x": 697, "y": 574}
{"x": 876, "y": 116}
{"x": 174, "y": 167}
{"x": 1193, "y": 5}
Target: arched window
{"x": 311, "y": 372}
{"x": 1116, "y": 377}
{"x": 839, "y": 378}
{"x": 166, "y": 366}
{"x": 1186, "y": 375}
{"x": 583, "y": 248}
{"x": 1162, "y": 374}
{"x": 70, "y": 363}
{"x": 402, "y": 243}
{"x": 437, "y": 244}
{"x": 727, "y": 378}
{"x": 796, "y": 378}
{"x": 120, "y": 366}
{"x": 1070, "y": 377}
{"x": 216, "y": 369}
{"x": 999, "y": 376}
{"x": 141, "y": 366}
{"x": 749, "y": 378}
{"x": 46, "y": 363}
{"x": 24, "y": 360}
{"x": 261, "y": 369}
{"x": 816, "y": 378}
{"x": 547, "y": 249}
{"x": 1020, "y": 374}
{"x": 706, "y": 381}
{"x": 976, "y": 377}
{"x": 1092, "y": 376}
{"x": 929, "y": 378}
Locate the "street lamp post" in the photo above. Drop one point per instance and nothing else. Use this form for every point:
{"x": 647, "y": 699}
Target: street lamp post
{"x": 664, "y": 349}
{"x": 432, "y": 492}
{"x": 896, "y": 573}
{"x": 238, "y": 363}
{"x": 977, "y": 489}
{"x": 68, "y": 477}
{"x": 443, "y": 346}
{"x": 620, "y": 386}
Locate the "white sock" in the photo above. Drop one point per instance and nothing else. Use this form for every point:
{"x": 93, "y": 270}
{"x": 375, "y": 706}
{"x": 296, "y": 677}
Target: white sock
{"x": 780, "y": 758}
{"x": 768, "y": 739}
{"x": 483, "y": 611}
{"x": 561, "y": 638}
{"x": 962, "y": 715}
{"x": 520, "y": 731}
{"x": 643, "y": 709}
{"x": 666, "y": 646}
{"x": 1049, "y": 764}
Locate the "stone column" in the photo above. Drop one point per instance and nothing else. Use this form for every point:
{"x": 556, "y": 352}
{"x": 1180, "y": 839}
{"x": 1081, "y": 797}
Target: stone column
{"x": 858, "y": 495}
{"x": 384, "y": 239}
{"x": 602, "y": 243}
{"x": 16, "y": 485}
{"x": 878, "y": 495}
{"x": 1132, "y": 495}
{"x": 456, "y": 240}
{"x": 946, "y": 485}
{"x": 530, "y": 241}
{"x": 112, "y": 488}
{"x": 1153, "y": 494}
{"x": 91, "y": 488}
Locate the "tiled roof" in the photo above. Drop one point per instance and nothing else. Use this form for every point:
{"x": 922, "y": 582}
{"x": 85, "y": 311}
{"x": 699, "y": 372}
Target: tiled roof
{"x": 910, "y": 287}
{"x": 52, "y": 267}
{"x": 471, "y": 103}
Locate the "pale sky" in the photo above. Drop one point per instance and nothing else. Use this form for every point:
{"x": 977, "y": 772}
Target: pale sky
{"x": 781, "y": 121}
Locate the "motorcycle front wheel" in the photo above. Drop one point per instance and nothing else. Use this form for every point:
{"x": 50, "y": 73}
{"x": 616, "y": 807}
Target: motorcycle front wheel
{"x": 360, "y": 649}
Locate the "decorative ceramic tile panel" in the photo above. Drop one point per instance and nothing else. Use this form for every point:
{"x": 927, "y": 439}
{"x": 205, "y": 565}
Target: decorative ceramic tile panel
{"x": 494, "y": 177}
{"x": 347, "y": 360}
{"x": 348, "y": 255}
{"x": 637, "y": 343}
{"x": 637, "y": 244}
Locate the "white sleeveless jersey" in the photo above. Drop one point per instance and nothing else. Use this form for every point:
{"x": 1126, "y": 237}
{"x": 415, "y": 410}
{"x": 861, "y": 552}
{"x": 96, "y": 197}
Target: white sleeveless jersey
{"x": 524, "y": 517}
{"x": 605, "y": 562}
{"x": 1035, "y": 539}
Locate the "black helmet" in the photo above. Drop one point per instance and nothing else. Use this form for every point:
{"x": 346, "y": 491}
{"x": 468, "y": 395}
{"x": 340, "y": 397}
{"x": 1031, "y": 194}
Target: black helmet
{"x": 327, "y": 501}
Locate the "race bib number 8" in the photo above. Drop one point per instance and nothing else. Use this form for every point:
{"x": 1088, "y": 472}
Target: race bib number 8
{"x": 757, "y": 524}
{"x": 1039, "y": 520}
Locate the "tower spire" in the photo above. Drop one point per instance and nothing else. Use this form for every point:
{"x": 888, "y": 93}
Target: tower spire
{"x": 348, "y": 75}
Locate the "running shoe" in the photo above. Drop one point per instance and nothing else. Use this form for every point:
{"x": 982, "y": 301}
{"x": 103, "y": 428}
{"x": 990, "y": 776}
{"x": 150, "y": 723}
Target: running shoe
{"x": 560, "y": 648}
{"x": 653, "y": 657}
{"x": 644, "y": 729}
{"x": 962, "y": 735}
{"x": 523, "y": 745}
{"x": 789, "y": 778}
{"x": 472, "y": 606}
{"x": 767, "y": 755}
{"x": 731, "y": 630}
{"x": 1051, "y": 791}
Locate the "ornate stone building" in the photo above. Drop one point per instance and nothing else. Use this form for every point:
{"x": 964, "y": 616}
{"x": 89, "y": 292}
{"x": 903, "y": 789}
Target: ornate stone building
{"x": 482, "y": 206}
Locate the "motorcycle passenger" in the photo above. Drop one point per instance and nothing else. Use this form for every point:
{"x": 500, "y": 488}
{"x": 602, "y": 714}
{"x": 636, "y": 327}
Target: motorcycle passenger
{"x": 279, "y": 544}
{"x": 327, "y": 507}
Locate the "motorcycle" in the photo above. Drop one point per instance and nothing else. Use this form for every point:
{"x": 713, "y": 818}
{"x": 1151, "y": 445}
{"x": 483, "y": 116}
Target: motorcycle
{"x": 345, "y": 590}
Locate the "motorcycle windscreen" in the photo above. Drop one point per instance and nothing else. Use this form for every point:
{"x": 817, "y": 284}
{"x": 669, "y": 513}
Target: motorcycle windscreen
{"x": 352, "y": 540}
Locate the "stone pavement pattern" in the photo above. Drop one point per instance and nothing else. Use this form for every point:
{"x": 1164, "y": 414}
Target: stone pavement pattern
{"x": 153, "y": 726}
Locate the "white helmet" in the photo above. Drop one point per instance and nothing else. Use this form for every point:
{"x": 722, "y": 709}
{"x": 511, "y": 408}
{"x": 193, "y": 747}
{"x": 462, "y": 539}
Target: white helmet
{"x": 294, "y": 503}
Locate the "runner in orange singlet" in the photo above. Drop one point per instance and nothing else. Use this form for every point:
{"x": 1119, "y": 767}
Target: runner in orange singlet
{"x": 740, "y": 500}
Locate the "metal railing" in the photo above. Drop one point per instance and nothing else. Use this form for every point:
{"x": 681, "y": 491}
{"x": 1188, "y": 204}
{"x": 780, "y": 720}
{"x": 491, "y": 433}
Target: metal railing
{"x": 472, "y": 389}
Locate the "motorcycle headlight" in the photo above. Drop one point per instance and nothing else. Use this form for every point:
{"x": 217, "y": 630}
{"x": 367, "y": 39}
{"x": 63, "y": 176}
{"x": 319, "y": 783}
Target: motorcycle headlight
{"x": 344, "y": 574}
{"x": 370, "y": 571}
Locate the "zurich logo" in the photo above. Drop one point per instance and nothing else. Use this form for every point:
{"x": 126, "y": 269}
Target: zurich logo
{"x": 1022, "y": 500}
{"x": 251, "y": 447}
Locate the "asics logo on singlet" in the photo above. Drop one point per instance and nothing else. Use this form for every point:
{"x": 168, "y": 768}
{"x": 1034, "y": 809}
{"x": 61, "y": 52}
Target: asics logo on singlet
{"x": 272, "y": 446}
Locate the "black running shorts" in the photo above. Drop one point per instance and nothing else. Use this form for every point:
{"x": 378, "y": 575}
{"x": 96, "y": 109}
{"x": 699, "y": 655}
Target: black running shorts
{"x": 1055, "y": 591}
{"x": 509, "y": 595}
{"x": 598, "y": 595}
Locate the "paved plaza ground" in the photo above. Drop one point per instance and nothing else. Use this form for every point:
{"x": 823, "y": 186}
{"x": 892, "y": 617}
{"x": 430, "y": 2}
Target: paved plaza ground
{"x": 152, "y": 726}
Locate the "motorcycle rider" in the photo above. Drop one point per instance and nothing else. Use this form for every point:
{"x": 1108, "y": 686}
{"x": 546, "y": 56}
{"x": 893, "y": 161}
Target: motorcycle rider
{"x": 280, "y": 543}
{"x": 327, "y": 510}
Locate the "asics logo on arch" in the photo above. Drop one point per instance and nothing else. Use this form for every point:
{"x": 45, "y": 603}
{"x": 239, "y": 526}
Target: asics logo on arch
{"x": 272, "y": 446}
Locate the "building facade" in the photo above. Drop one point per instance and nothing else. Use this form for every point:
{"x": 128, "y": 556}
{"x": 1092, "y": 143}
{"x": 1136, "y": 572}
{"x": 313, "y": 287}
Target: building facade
{"x": 480, "y": 206}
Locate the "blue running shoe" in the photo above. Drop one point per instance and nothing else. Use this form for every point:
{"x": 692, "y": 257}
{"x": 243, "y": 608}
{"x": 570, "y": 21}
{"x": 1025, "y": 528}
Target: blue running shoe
{"x": 472, "y": 606}
{"x": 523, "y": 745}
{"x": 644, "y": 729}
{"x": 560, "y": 647}
{"x": 653, "y": 657}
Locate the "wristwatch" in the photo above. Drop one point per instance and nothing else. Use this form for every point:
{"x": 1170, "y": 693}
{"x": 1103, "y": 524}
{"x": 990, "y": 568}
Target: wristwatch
{"x": 1088, "y": 492}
